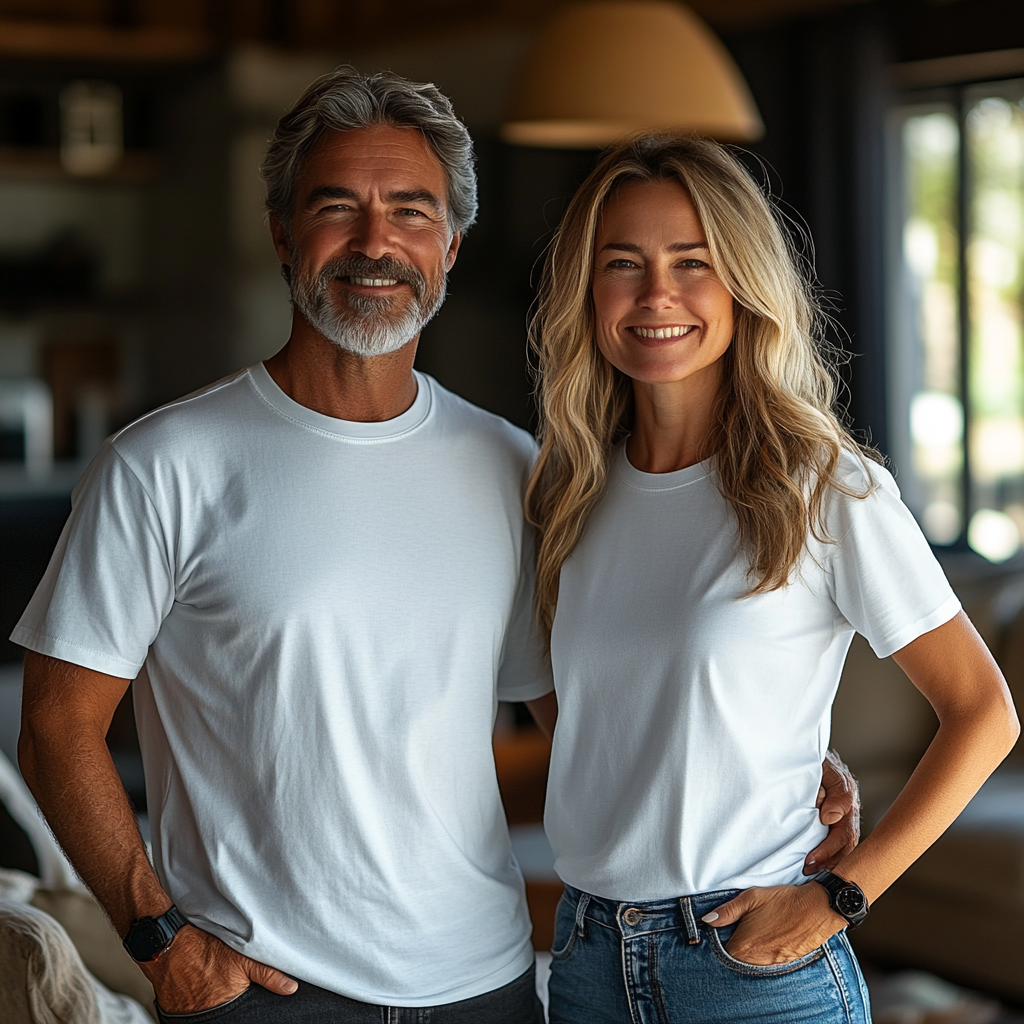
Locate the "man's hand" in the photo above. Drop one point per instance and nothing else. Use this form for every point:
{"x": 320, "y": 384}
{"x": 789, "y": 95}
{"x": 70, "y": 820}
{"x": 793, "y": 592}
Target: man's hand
{"x": 839, "y": 808}
{"x": 199, "y": 971}
{"x": 777, "y": 924}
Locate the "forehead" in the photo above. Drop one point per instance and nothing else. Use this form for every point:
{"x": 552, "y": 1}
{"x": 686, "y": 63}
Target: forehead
{"x": 379, "y": 158}
{"x": 660, "y": 208}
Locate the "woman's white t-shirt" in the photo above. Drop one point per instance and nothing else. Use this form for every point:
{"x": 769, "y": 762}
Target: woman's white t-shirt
{"x": 693, "y": 719}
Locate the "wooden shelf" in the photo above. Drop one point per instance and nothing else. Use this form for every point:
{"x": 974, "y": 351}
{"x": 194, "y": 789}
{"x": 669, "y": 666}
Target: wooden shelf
{"x": 23, "y": 162}
{"x": 63, "y": 41}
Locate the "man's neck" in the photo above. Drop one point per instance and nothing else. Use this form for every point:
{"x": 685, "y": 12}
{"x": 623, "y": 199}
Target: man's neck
{"x": 327, "y": 379}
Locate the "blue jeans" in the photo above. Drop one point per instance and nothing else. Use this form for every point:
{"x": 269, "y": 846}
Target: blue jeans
{"x": 656, "y": 963}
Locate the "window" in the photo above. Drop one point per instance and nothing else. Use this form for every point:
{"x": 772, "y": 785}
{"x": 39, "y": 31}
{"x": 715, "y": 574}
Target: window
{"x": 957, "y": 368}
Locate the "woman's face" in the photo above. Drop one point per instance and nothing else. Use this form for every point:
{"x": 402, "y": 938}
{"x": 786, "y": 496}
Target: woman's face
{"x": 663, "y": 316}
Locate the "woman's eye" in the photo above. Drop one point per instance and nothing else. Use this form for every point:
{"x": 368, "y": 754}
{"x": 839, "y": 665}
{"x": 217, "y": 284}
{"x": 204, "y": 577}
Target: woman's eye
{"x": 693, "y": 265}
{"x": 628, "y": 264}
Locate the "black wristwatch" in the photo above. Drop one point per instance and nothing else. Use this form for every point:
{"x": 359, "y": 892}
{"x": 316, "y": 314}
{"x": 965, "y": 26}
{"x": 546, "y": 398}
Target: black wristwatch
{"x": 148, "y": 937}
{"x": 845, "y": 898}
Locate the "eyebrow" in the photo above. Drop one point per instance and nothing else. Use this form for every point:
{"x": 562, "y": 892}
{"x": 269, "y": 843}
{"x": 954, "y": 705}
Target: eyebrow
{"x": 329, "y": 192}
{"x": 416, "y": 195}
{"x": 674, "y": 247}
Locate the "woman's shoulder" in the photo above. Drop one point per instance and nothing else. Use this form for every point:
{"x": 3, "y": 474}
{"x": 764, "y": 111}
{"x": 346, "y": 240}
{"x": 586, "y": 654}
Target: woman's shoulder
{"x": 858, "y": 475}
{"x": 864, "y": 500}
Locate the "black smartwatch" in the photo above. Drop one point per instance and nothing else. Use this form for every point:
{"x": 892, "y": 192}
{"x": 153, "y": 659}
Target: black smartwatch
{"x": 845, "y": 898}
{"x": 148, "y": 937}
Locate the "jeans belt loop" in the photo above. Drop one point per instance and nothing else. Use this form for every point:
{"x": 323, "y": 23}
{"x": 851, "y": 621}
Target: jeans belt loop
{"x": 581, "y": 909}
{"x": 692, "y": 931}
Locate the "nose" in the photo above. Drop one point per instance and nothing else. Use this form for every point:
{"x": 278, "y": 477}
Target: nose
{"x": 658, "y": 290}
{"x": 372, "y": 236}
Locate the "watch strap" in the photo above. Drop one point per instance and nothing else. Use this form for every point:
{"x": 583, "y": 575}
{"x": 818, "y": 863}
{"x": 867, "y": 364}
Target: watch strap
{"x": 174, "y": 920}
{"x": 148, "y": 937}
{"x": 846, "y": 898}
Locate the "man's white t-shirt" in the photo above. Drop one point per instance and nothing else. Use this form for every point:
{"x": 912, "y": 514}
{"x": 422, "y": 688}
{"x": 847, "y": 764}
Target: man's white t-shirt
{"x": 693, "y": 719}
{"x": 322, "y": 615}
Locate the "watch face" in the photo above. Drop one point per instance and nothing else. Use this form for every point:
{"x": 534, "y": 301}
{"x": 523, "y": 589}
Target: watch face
{"x": 146, "y": 939}
{"x": 850, "y": 901}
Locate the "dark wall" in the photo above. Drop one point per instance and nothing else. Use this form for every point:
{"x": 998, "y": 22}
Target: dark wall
{"x": 189, "y": 313}
{"x": 822, "y": 86}
{"x": 923, "y": 29}
{"x": 29, "y": 530}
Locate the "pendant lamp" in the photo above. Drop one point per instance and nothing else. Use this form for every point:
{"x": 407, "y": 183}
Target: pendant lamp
{"x": 602, "y": 68}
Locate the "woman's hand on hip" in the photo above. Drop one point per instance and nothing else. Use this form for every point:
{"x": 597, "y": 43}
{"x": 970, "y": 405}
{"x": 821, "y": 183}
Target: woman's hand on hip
{"x": 777, "y": 924}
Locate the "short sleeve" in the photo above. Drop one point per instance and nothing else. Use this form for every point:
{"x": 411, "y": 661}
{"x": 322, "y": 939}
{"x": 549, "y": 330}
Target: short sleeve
{"x": 110, "y": 581}
{"x": 886, "y": 581}
{"x": 525, "y": 670}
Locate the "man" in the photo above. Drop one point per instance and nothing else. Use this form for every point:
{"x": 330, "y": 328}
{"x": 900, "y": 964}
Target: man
{"x": 319, "y": 572}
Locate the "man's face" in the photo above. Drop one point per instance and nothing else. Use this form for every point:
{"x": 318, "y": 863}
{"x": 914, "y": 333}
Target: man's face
{"x": 369, "y": 244}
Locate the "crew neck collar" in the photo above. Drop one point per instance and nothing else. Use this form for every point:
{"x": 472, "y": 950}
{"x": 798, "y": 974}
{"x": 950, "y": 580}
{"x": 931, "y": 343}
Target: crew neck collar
{"x": 642, "y": 481}
{"x": 352, "y": 430}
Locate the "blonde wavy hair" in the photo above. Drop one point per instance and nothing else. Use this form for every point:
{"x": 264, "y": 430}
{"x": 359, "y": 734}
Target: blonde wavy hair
{"x": 776, "y": 439}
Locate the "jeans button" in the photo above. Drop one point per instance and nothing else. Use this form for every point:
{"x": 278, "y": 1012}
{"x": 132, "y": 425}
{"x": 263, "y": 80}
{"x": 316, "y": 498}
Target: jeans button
{"x": 632, "y": 916}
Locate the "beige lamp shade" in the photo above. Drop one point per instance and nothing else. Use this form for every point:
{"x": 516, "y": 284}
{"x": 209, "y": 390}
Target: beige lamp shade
{"x": 603, "y": 68}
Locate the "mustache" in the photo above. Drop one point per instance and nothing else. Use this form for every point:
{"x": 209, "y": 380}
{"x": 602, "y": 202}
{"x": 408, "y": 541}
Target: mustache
{"x": 363, "y": 266}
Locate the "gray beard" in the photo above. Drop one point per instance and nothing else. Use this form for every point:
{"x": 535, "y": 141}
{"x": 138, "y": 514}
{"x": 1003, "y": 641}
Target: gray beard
{"x": 365, "y": 325}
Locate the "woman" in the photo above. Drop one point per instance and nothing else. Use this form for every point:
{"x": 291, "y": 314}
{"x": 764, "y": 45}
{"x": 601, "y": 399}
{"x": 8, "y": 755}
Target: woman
{"x": 710, "y": 537}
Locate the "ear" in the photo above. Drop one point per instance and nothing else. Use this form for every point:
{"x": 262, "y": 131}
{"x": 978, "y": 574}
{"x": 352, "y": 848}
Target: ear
{"x": 282, "y": 241}
{"x": 453, "y": 251}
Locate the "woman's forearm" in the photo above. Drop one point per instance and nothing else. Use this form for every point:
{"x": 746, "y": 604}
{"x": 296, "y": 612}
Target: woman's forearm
{"x": 977, "y": 728}
{"x": 959, "y": 759}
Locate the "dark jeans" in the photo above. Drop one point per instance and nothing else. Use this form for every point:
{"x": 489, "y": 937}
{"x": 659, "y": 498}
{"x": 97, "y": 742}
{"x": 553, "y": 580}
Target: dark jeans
{"x": 515, "y": 1003}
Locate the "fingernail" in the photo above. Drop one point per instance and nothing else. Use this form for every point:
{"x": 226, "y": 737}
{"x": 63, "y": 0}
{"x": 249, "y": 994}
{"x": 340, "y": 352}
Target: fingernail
{"x": 831, "y": 818}
{"x": 811, "y": 863}
{"x": 291, "y": 986}
{"x": 710, "y": 918}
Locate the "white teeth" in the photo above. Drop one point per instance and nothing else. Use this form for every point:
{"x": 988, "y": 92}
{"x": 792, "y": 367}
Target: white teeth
{"x": 374, "y": 282}
{"x": 662, "y": 332}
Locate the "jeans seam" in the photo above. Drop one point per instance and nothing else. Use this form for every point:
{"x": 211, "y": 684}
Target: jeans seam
{"x": 630, "y": 1002}
{"x": 837, "y": 975}
{"x": 654, "y": 982}
{"x": 848, "y": 996}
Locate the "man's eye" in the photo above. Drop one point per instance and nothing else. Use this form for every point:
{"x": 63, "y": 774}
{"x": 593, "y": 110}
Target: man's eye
{"x": 412, "y": 213}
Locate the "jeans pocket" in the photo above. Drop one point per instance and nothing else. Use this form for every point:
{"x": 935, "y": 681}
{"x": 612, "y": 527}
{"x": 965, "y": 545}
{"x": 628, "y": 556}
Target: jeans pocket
{"x": 211, "y": 1013}
{"x": 760, "y": 970}
{"x": 564, "y": 939}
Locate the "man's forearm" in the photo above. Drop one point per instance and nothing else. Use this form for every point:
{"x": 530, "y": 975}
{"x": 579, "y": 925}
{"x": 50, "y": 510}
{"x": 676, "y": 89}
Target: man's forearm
{"x": 65, "y": 761}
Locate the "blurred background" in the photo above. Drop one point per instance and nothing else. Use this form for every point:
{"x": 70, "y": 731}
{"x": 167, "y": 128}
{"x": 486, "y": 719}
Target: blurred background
{"x": 136, "y": 266}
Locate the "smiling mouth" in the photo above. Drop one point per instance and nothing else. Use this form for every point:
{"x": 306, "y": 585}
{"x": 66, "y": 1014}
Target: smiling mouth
{"x": 677, "y": 331}
{"x": 372, "y": 282}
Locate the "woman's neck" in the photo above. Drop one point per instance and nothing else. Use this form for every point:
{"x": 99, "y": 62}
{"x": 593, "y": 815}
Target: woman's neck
{"x": 671, "y": 424}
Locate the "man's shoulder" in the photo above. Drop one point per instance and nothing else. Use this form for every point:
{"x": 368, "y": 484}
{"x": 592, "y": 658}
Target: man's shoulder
{"x": 180, "y": 425}
{"x": 458, "y": 414}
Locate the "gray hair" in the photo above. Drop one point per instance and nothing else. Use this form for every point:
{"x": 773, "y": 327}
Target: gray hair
{"x": 346, "y": 100}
